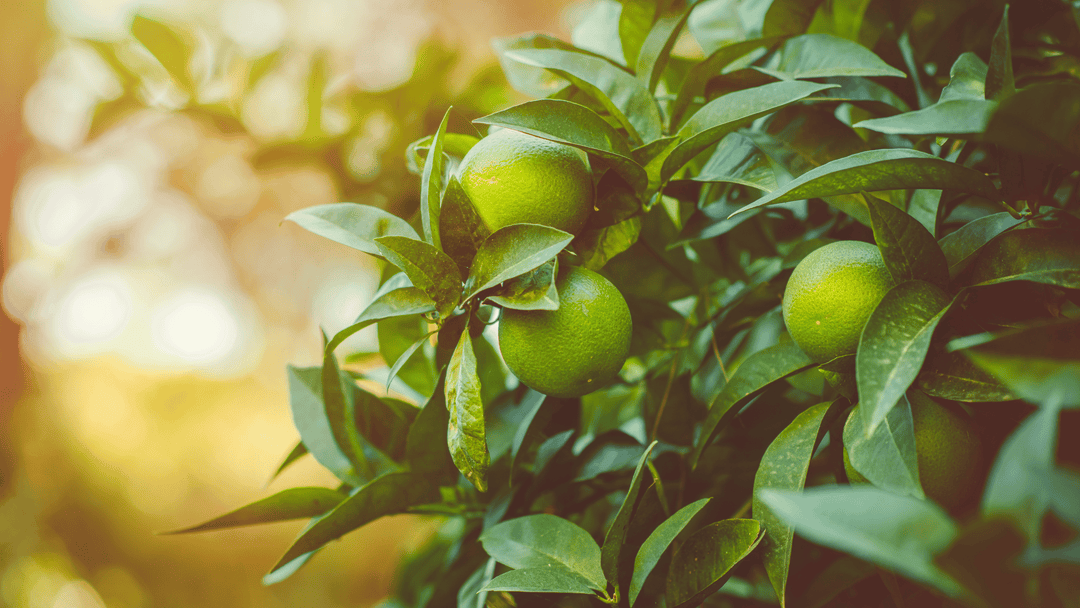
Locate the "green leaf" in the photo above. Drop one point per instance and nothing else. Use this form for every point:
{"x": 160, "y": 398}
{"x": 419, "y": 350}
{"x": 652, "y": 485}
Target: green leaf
{"x": 401, "y": 302}
{"x": 886, "y": 457}
{"x": 893, "y": 346}
{"x": 824, "y": 56}
{"x": 294, "y": 503}
{"x": 654, "y": 546}
{"x": 758, "y": 372}
{"x": 471, "y": 594}
{"x": 956, "y": 117}
{"x": 1040, "y": 255}
{"x": 656, "y": 49}
{"x": 431, "y": 186}
{"x": 635, "y": 22}
{"x": 456, "y": 144}
{"x": 512, "y": 251}
{"x": 312, "y": 421}
{"x": 425, "y": 448}
{"x": 876, "y": 170}
{"x": 872, "y": 524}
{"x": 1017, "y": 486}
{"x": 739, "y": 160}
{"x": 621, "y": 94}
{"x": 533, "y": 290}
{"x": 352, "y": 224}
{"x": 298, "y": 451}
{"x": 961, "y": 246}
{"x": 427, "y": 267}
{"x": 597, "y": 246}
{"x": 724, "y": 115}
{"x": 290, "y": 568}
{"x": 575, "y": 125}
{"x": 404, "y": 357}
{"x": 703, "y": 563}
{"x": 166, "y": 46}
{"x": 465, "y": 434}
{"x": 789, "y": 16}
{"x": 544, "y": 540}
{"x": 1041, "y": 120}
{"x": 866, "y": 94}
{"x": 337, "y": 392}
{"x": 532, "y": 403}
{"x": 460, "y": 227}
{"x": 1040, "y": 364}
{"x": 784, "y": 466}
{"x": 954, "y": 376}
{"x": 967, "y": 79}
{"x": 999, "y": 78}
{"x": 529, "y": 79}
{"x": 615, "y": 539}
{"x": 909, "y": 250}
{"x": 387, "y": 495}
{"x": 694, "y": 84}
{"x": 550, "y": 578}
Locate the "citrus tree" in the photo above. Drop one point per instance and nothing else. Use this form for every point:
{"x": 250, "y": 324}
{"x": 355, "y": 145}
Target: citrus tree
{"x": 793, "y": 320}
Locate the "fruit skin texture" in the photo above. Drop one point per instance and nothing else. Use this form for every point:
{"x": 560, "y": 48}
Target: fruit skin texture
{"x": 515, "y": 178}
{"x": 948, "y": 451}
{"x": 831, "y": 294}
{"x": 575, "y": 349}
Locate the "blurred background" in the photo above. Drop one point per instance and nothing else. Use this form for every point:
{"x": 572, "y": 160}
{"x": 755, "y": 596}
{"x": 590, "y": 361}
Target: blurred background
{"x": 152, "y": 296}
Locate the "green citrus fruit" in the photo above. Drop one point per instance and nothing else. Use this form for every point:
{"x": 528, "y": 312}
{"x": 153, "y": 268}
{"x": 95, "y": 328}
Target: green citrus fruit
{"x": 831, "y": 294}
{"x": 948, "y": 451}
{"x": 515, "y": 178}
{"x": 575, "y": 349}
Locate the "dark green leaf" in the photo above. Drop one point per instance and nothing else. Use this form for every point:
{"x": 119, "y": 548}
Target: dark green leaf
{"x": 387, "y": 495}
{"x": 471, "y": 595}
{"x": 961, "y": 246}
{"x": 533, "y": 290}
{"x": 885, "y": 457}
{"x": 1042, "y": 120}
{"x": 876, "y": 170}
{"x": 542, "y": 541}
{"x": 615, "y": 539}
{"x": 431, "y": 186}
{"x": 656, "y": 50}
{"x": 872, "y": 524}
{"x": 548, "y": 578}
{"x": 352, "y": 224}
{"x": 404, "y": 357}
{"x": 460, "y": 227}
{"x": 635, "y": 21}
{"x": 824, "y": 56}
{"x": 337, "y": 394}
{"x": 532, "y": 403}
{"x": 757, "y": 373}
{"x": 290, "y": 568}
{"x": 1017, "y": 486}
{"x": 703, "y": 563}
{"x": 654, "y": 546}
{"x": 310, "y": 417}
{"x": 784, "y": 466}
{"x": 1040, "y": 364}
{"x": 893, "y": 346}
{"x": 866, "y": 94}
{"x": 955, "y": 117}
{"x": 909, "y": 250}
{"x": 789, "y": 16}
{"x": 999, "y": 78}
{"x": 574, "y": 125}
{"x": 726, "y": 114}
{"x": 426, "y": 450}
{"x": 954, "y": 376}
{"x": 739, "y": 160}
{"x": 401, "y": 302}
{"x": 294, "y": 503}
{"x": 512, "y": 251}
{"x": 1040, "y": 255}
{"x": 427, "y": 267}
{"x": 621, "y": 94}
{"x": 166, "y": 46}
{"x": 465, "y": 434}
{"x": 694, "y": 84}
{"x": 598, "y": 245}
{"x": 298, "y": 451}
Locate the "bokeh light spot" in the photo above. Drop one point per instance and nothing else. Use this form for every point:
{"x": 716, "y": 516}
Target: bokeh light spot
{"x": 195, "y": 326}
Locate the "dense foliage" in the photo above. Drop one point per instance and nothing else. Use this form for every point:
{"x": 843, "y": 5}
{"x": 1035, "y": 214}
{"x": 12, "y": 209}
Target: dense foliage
{"x": 947, "y": 133}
